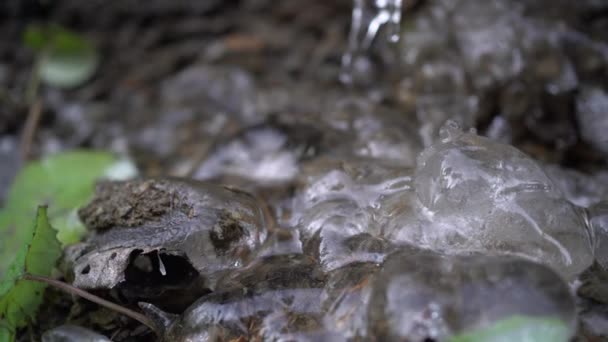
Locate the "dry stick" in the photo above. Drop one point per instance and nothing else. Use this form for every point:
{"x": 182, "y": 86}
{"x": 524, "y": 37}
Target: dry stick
{"x": 31, "y": 124}
{"x": 70, "y": 289}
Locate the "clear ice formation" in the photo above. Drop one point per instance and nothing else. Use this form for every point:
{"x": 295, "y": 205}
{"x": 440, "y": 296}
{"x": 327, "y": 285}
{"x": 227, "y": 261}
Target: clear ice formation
{"x": 272, "y": 153}
{"x": 582, "y": 189}
{"x": 475, "y": 236}
{"x": 456, "y": 51}
{"x": 368, "y": 17}
{"x": 467, "y": 194}
{"x": 211, "y": 228}
{"x": 420, "y": 295}
{"x": 483, "y": 196}
{"x": 259, "y": 154}
{"x": 338, "y": 209}
{"x": 72, "y": 333}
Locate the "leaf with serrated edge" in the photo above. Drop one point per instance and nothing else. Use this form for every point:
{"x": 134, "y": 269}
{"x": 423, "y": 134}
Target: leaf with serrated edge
{"x": 65, "y": 182}
{"x": 19, "y": 299}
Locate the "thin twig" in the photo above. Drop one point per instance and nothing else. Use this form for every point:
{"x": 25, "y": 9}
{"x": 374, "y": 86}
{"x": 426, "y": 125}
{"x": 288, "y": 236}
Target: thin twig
{"x": 95, "y": 299}
{"x": 31, "y": 125}
{"x": 33, "y": 85}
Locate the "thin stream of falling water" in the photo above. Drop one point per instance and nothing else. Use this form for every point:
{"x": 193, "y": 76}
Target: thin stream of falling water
{"x": 368, "y": 17}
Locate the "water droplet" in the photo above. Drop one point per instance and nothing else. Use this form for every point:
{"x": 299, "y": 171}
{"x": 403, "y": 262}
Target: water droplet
{"x": 450, "y": 131}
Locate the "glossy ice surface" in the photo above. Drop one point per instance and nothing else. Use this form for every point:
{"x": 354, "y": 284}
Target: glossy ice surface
{"x": 366, "y": 212}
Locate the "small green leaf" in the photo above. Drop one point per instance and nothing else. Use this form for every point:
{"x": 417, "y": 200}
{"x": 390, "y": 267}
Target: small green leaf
{"x": 35, "y": 38}
{"x": 66, "y": 59}
{"x": 65, "y": 182}
{"x": 521, "y": 329}
{"x": 19, "y": 299}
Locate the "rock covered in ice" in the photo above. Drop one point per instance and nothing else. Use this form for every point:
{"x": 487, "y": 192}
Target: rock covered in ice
{"x": 421, "y": 295}
{"x": 165, "y": 231}
{"x": 346, "y": 299}
{"x": 481, "y": 195}
{"x": 246, "y": 300}
{"x": 468, "y": 193}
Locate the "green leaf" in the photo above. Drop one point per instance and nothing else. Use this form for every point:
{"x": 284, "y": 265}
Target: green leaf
{"x": 69, "y": 59}
{"x": 521, "y": 329}
{"x": 5, "y": 332}
{"x": 19, "y": 299}
{"x": 66, "y": 59}
{"x": 65, "y": 182}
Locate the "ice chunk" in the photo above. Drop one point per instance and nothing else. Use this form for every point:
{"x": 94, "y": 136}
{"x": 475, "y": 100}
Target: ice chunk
{"x": 598, "y": 219}
{"x": 592, "y": 116}
{"x": 421, "y": 295}
{"x": 191, "y": 231}
{"x": 377, "y": 131}
{"x": 481, "y": 195}
{"x": 339, "y": 209}
{"x": 583, "y": 190}
{"x": 260, "y": 154}
{"x": 434, "y": 110}
{"x": 72, "y": 333}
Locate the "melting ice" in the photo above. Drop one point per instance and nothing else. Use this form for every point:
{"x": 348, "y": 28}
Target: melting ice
{"x": 467, "y": 194}
{"x": 368, "y": 17}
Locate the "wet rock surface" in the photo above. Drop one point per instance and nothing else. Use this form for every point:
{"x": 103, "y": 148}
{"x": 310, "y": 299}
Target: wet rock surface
{"x": 359, "y": 217}
{"x": 156, "y": 237}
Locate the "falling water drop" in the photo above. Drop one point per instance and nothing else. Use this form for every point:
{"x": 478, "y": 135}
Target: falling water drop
{"x": 161, "y": 265}
{"x": 368, "y": 17}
